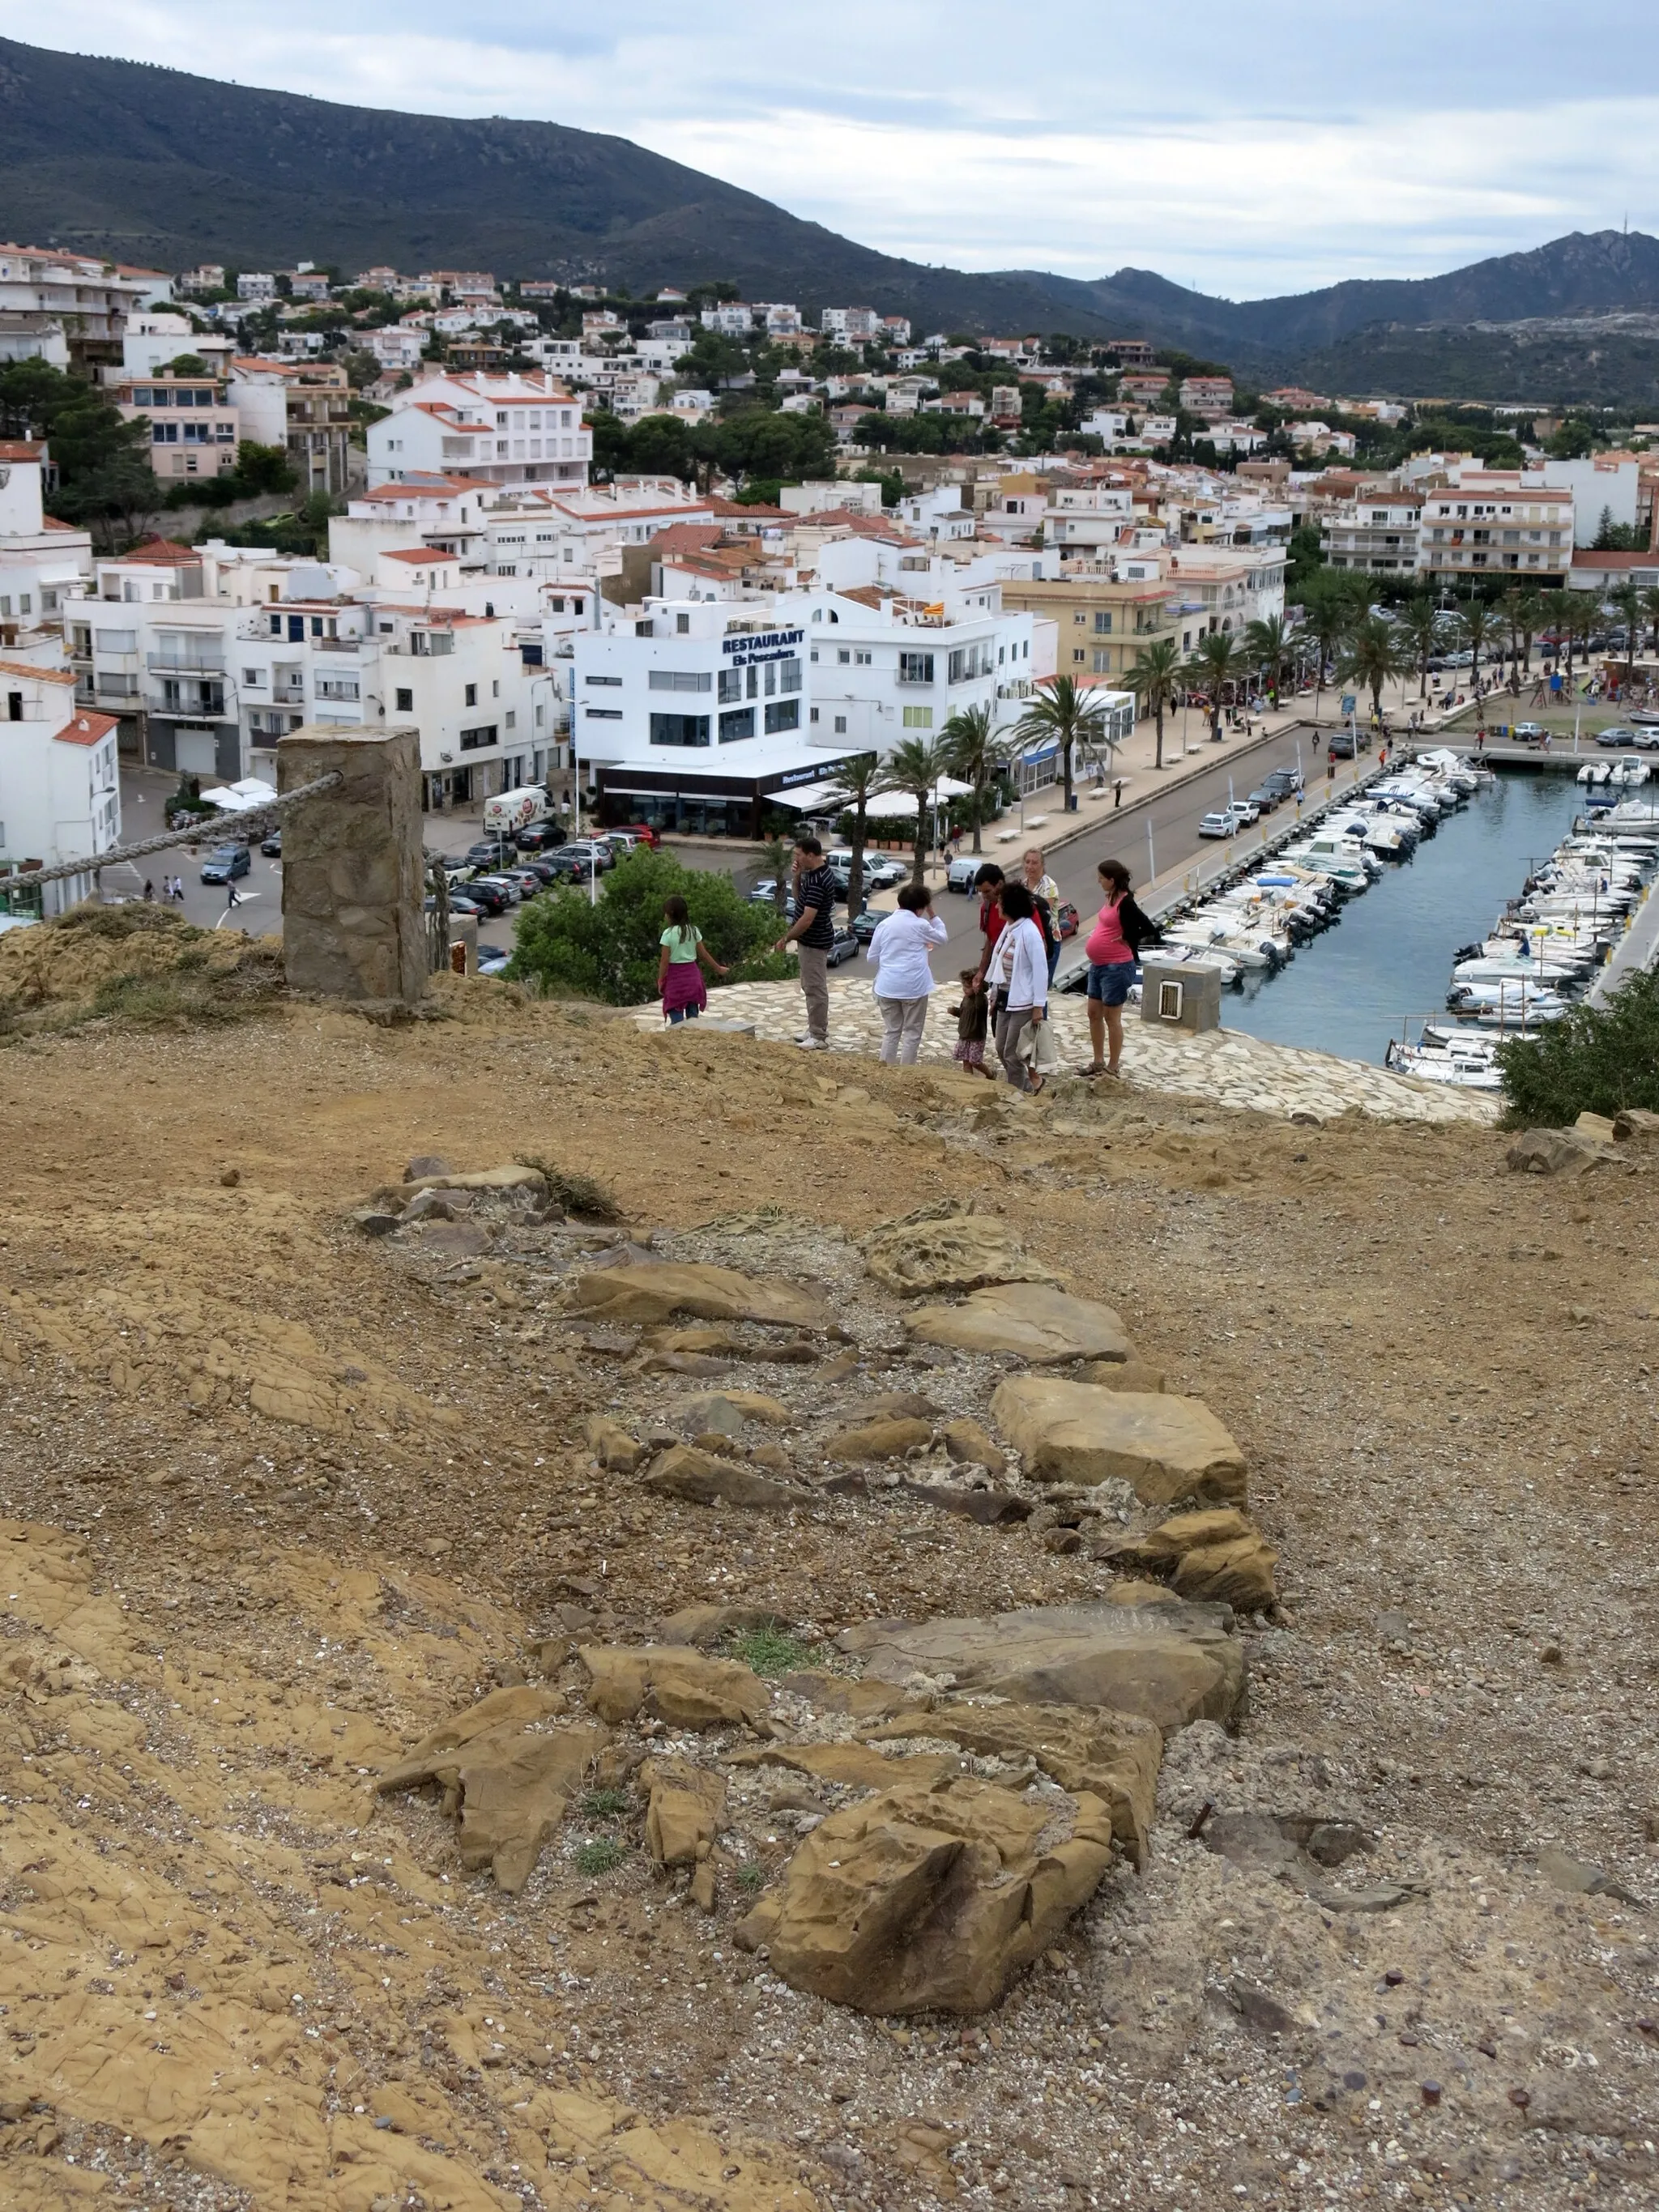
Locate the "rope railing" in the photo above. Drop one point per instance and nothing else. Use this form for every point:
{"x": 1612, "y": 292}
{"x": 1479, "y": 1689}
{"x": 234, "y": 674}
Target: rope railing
{"x": 244, "y": 817}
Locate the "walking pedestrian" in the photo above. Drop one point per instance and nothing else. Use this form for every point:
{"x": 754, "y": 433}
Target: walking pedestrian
{"x": 811, "y": 933}
{"x": 971, "y": 1010}
{"x": 1045, "y": 897}
{"x": 679, "y": 968}
{"x": 1113, "y": 945}
{"x": 1020, "y": 964}
{"x": 1117, "y": 795}
{"x": 988, "y": 882}
{"x": 905, "y": 981}
{"x": 231, "y": 899}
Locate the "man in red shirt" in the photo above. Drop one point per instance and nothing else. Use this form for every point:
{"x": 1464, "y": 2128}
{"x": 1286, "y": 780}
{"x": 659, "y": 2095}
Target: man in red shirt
{"x": 989, "y": 883}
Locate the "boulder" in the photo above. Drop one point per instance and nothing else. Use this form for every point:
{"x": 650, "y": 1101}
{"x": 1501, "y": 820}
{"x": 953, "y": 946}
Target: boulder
{"x": 1169, "y": 1663}
{"x": 1553, "y": 1152}
{"x": 883, "y": 1406}
{"x": 855, "y": 1765}
{"x": 923, "y": 1901}
{"x": 969, "y": 1444}
{"x": 1635, "y": 1126}
{"x": 374, "y": 1220}
{"x": 944, "y": 1248}
{"x": 426, "y": 1164}
{"x": 686, "y": 1812}
{"x": 656, "y": 1291}
{"x": 672, "y": 1682}
{"x": 1168, "y": 1448}
{"x": 513, "y": 1178}
{"x": 991, "y": 1509}
{"x": 878, "y": 1440}
{"x": 1124, "y": 1375}
{"x": 845, "y": 1693}
{"x": 703, "y": 1480}
{"x": 1113, "y": 1756}
{"x": 1219, "y": 1555}
{"x": 611, "y": 1445}
{"x": 1599, "y": 1128}
{"x": 707, "y": 1625}
{"x": 725, "y": 1411}
{"x": 511, "y": 1785}
{"x": 1035, "y": 1322}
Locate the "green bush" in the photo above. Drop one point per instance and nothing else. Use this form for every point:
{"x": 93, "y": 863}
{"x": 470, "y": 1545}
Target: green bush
{"x": 609, "y": 950}
{"x": 770, "y": 1650}
{"x": 1595, "y": 1059}
{"x": 600, "y": 1855}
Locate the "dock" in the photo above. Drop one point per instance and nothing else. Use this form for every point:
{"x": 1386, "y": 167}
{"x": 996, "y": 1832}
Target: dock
{"x": 1634, "y": 953}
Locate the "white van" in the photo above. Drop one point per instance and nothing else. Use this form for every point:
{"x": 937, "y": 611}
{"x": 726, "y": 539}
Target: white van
{"x": 509, "y": 811}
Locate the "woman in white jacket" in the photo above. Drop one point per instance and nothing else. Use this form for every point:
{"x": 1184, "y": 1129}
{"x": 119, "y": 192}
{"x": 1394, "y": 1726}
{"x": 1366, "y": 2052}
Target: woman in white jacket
{"x": 905, "y": 981}
{"x": 1020, "y": 970}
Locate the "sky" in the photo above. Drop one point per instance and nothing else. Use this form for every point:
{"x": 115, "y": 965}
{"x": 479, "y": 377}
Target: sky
{"x": 1243, "y": 152}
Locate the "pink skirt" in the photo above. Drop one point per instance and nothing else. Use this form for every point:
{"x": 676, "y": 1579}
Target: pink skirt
{"x": 683, "y": 986}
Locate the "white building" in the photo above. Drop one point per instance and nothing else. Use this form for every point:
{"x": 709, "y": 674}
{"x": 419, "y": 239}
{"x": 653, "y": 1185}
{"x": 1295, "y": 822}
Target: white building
{"x": 42, "y": 560}
{"x": 1376, "y": 532}
{"x": 507, "y": 429}
{"x": 729, "y": 318}
{"x": 396, "y": 346}
{"x": 1497, "y": 521}
{"x": 256, "y": 285}
{"x": 60, "y": 794}
{"x": 62, "y": 308}
{"x": 851, "y": 326}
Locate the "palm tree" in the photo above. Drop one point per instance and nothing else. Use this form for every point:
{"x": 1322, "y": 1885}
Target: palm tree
{"x": 1627, "y": 597}
{"x": 1061, "y": 710}
{"x": 1268, "y": 642}
{"x": 1419, "y": 629}
{"x": 858, "y": 781}
{"x": 1532, "y": 621}
{"x": 1372, "y": 656}
{"x": 916, "y": 766}
{"x": 1583, "y": 619}
{"x": 1650, "y": 609}
{"x": 1480, "y": 628}
{"x": 1152, "y": 679}
{"x": 1215, "y": 663}
{"x": 1325, "y": 624}
{"x": 976, "y": 754}
{"x": 776, "y": 853}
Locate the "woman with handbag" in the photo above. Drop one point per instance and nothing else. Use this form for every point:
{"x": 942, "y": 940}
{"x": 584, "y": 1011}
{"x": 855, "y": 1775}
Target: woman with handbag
{"x": 1114, "y": 946}
{"x": 1020, "y": 965}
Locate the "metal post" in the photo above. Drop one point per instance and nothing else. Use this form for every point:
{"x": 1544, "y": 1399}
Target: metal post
{"x": 1151, "y": 856}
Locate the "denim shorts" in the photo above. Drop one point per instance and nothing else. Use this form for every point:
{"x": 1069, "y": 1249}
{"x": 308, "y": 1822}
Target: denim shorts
{"x": 1109, "y": 981}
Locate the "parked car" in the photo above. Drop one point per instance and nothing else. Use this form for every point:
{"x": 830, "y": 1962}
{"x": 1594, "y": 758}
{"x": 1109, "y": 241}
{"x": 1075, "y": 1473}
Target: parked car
{"x": 458, "y": 903}
{"x": 1220, "y": 824}
{"x": 1648, "y": 740}
{"x": 881, "y": 871}
{"x": 865, "y": 925}
{"x": 527, "y": 881}
{"x": 1529, "y": 733}
{"x": 845, "y": 947}
{"x": 621, "y": 842}
{"x": 272, "y": 846}
{"x": 1648, "y": 717}
{"x": 485, "y": 897}
{"x": 1244, "y": 811}
{"x": 1616, "y": 736}
{"x": 225, "y": 862}
{"x": 643, "y": 831}
{"x": 492, "y": 958}
{"x": 488, "y": 852}
{"x": 603, "y": 856}
{"x": 765, "y": 893}
{"x": 536, "y": 837}
{"x": 1286, "y": 781}
{"x": 1066, "y": 919}
{"x": 1264, "y": 800}
{"x": 1342, "y": 746}
{"x": 959, "y": 875}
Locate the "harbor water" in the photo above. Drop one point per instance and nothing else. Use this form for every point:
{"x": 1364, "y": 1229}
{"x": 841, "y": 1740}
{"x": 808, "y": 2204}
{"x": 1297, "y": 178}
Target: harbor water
{"x": 1388, "y": 962}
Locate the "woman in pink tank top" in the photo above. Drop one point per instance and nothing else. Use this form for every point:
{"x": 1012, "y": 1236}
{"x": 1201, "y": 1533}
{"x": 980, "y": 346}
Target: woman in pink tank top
{"x": 1111, "y": 971}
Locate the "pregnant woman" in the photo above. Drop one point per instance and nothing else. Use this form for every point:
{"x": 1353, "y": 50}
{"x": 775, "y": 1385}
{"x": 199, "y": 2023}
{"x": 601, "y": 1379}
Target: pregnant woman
{"x": 1119, "y": 930}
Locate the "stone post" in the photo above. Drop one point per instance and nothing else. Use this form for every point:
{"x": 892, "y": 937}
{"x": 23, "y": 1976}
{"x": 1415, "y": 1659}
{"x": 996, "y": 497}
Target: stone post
{"x": 352, "y": 882}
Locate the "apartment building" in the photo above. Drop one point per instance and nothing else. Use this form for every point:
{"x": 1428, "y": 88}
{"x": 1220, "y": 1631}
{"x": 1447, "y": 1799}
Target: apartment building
{"x": 1209, "y": 396}
{"x": 1496, "y": 522}
{"x": 258, "y": 287}
{"x": 68, "y": 310}
{"x": 396, "y": 347}
{"x": 1131, "y": 353}
{"x": 60, "y": 794}
{"x": 508, "y": 429}
{"x": 1375, "y": 533}
{"x": 303, "y": 405}
{"x": 42, "y": 560}
{"x": 194, "y": 426}
{"x": 1142, "y": 388}
{"x": 851, "y": 326}
{"x": 1082, "y": 521}
{"x": 1102, "y": 621}
{"x": 729, "y": 318}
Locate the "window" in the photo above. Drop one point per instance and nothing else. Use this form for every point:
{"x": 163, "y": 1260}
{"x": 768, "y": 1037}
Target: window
{"x": 730, "y": 685}
{"x": 253, "y": 678}
{"x": 789, "y": 675}
{"x": 841, "y": 725}
{"x": 970, "y": 660}
{"x": 917, "y": 718}
{"x": 511, "y": 719}
{"x": 602, "y": 679}
{"x": 916, "y": 668}
{"x": 1103, "y": 623}
{"x": 844, "y": 655}
{"x": 1103, "y": 661}
{"x": 604, "y": 714}
{"x": 682, "y": 623}
{"x": 471, "y": 697}
{"x": 1079, "y": 620}
{"x": 679, "y": 729}
{"x": 785, "y": 714}
{"x": 478, "y": 740}
{"x": 681, "y": 679}
{"x": 112, "y": 641}
{"x": 740, "y": 723}
{"x": 405, "y": 702}
{"x": 1079, "y": 656}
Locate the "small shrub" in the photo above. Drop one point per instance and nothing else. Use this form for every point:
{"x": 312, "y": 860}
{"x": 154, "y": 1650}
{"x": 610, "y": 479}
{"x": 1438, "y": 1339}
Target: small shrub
{"x": 751, "y": 1878}
{"x": 599, "y": 1855}
{"x": 604, "y": 1804}
{"x": 1595, "y": 1060}
{"x": 575, "y": 1192}
{"x": 770, "y": 1650}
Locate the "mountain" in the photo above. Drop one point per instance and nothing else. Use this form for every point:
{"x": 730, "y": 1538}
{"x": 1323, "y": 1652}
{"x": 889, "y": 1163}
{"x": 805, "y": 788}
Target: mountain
{"x": 155, "y": 167}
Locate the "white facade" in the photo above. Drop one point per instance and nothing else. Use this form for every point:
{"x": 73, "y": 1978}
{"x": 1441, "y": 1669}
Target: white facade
{"x": 42, "y": 560}
{"x": 505, "y": 429}
{"x": 60, "y": 794}
{"x": 395, "y": 346}
{"x": 1377, "y": 534}
{"x": 256, "y": 285}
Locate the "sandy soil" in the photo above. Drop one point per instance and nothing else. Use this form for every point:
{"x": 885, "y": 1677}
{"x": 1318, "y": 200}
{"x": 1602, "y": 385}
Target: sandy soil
{"x": 282, "y": 1497}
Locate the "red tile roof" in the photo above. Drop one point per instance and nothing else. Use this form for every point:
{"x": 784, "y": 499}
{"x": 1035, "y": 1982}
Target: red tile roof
{"x": 166, "y": 552}
{"x": 21, "y": 449}
{"x": 40, "y": 675}
{"x": 85, "y": 730}
{"x": 417, "y": 553}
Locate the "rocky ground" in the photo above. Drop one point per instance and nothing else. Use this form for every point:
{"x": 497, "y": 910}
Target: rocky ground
{"x": 1305, "y": 1856}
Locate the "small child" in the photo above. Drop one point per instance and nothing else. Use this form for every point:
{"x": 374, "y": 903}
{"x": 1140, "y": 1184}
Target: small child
{"x": 972, "y": 1022}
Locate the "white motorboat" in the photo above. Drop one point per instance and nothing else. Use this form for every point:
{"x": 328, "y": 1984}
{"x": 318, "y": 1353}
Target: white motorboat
{"x": 1469, "y": 1070}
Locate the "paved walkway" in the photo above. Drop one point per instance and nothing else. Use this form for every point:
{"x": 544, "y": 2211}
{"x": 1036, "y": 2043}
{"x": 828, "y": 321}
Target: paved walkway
{"x": 1226, "y": 1066}
{"x": 1634, "y": 953}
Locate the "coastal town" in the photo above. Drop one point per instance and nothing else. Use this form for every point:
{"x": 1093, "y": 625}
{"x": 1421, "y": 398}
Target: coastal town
{"x": 827, "y": 1316}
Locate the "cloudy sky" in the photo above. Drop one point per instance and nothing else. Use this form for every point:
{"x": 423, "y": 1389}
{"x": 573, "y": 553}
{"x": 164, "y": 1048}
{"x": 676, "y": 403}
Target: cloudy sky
{"x": 1247, "y": 152}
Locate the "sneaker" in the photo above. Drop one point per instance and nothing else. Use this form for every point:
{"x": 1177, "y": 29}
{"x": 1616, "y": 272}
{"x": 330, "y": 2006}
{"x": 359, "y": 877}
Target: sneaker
{"x": 813, "y": 1044}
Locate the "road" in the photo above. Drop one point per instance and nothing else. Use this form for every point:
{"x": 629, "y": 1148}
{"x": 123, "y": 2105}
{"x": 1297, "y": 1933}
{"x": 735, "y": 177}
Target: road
{"x": 144, "y": 794}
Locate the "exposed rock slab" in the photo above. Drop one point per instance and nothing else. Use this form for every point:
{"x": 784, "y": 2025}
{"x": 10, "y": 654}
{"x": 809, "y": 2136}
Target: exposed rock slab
{"x": 672, "y": 1682}
{"x": 686, "y": 1812}
{"x": 927, "y": 1899}
{"x": 942, "y": 1249}
{"x": 1125, "y": 1375}
{"x": 1035, "y": 1322}
{"x": 511, "y": 1787}
{"x": 874, "y": 1440}
{"x": 1113, "y": 1756}
{"x": 1554, "y": 1152}
{"x": 970, "y": 1445}
{"x": 1169, "y": 1663}
{"x": 657, "y": 1291}
{"x": 727, "y": 1411}
{"x": 854, "y": 1766}
{"x": 612, "y": 1444}
{"x": 1220, "y": 1555}
{"x": 706, "y": 1625}
{"x": 684, "y": 1471}
{"x": 1168, "y": 1448}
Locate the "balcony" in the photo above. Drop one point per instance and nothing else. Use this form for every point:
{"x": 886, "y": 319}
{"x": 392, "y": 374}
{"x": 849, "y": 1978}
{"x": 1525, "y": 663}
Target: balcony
{"x": 206, "y": 659}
